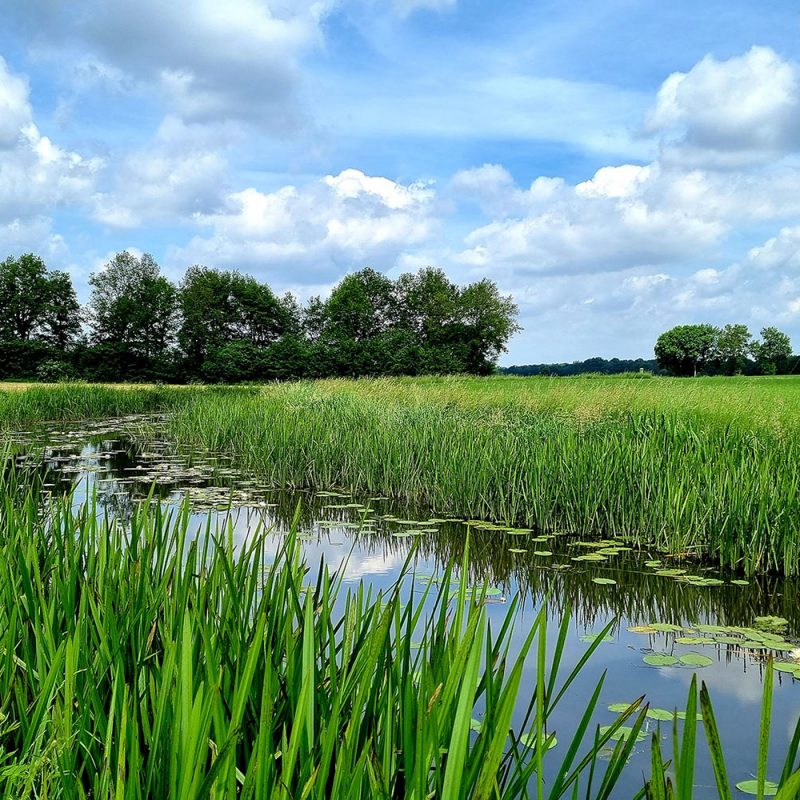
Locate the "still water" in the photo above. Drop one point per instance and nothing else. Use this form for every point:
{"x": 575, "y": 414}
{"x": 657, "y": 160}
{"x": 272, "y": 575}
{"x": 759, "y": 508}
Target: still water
{"x": 658, "y": 606}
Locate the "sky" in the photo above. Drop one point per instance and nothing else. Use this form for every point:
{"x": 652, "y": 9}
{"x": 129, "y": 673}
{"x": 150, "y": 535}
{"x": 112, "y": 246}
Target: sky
{"x": 619, "y": 167}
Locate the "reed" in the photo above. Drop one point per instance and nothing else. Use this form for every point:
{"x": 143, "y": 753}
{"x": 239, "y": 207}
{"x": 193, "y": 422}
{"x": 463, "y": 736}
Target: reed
{"x": 714, "y": 487}
{"x": 141, "y": 662}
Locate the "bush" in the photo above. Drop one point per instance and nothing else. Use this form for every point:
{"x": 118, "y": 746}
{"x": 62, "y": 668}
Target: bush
{"x": 54, "y": 371}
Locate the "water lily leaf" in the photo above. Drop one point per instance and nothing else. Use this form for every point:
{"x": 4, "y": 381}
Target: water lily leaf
{"x": 660, "y": 714}
{"x": 542, "y": 553}
{"x": 751, "y": 787}
{"x": 529, "y": 740}
{"x": 670, "y": 573}
{"x": 624, "y": 731}
{"x": 593, "y": 637}
{"x": 642, "y": 629}
{"x": 787, "y": 666}
{"x": 739, "y": 582}
{"x": 695, "y": 660}
{"x": 475, "y": 725}
{"x": 694, "y": 640}
{"x": 660, "y": 660}
{"x": 517, "y": 550}
{"x": 619, "y": 708}
{"x": 604, "y": 581}
{"x": 665, "y": 627}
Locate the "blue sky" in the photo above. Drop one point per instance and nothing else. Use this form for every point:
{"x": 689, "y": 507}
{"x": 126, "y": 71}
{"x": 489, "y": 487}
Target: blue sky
{"x": 618, "y": 167}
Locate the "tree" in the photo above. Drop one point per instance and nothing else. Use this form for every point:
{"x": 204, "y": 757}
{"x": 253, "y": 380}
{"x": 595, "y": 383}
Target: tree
{"x": 734, "y": 343}
{"x": 133, "y": 307}
{"x": 489, "y": 321}
{"x": 220, "y": 308}
{"x": 62, "y": 319}
{"x": 685, "y": 349}
{"x": 773, "y": 351}
{"x": 24, "y": 295}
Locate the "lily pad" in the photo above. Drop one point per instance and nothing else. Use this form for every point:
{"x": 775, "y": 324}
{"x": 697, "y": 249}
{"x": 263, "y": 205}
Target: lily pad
{"x": 660, "y": 714}
{"x": 693, "y": 640}
{"x": 604, "y": 581}
{"x": 542, "y": 553}
{"x": 751, "y": 787}
{"x": 624, "y": 731}
{"x": 619, "y": 708}
{"x": 529, "y": 740}
{"x": 593, "y": 637}
{"x": 695, "y": 660}
{"x": 642, "y": 629}
{"x": 660, "y": 660}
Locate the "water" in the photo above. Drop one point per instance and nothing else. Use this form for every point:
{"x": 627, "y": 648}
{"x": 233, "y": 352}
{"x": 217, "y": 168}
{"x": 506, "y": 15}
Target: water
{"x": 368, "y": 539}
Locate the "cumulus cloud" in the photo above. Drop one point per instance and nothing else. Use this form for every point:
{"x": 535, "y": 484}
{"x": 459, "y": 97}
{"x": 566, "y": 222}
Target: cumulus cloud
{"x": 325, "y": 228}
{"x": 36, "y": 175}
{"x": 179, "y": 175}
{"x": 729, "y": 114}
{"x": 210, "y": 60}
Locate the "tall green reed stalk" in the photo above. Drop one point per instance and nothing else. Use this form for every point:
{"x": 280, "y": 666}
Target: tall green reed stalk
{"x": 145, "y": 662}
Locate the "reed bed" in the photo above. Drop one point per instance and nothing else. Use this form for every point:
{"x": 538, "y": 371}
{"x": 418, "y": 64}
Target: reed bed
{"x": 140, "y": 662}
{"x": 717, "y": 487}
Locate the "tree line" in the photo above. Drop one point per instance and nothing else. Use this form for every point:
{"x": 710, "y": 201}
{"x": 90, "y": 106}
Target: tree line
{"x": 596, "y": 365}
{"x": 226, "y": 326}
{"x": 730, "y": 350}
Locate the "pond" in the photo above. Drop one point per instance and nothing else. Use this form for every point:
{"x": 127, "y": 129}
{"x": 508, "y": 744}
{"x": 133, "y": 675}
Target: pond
{"x": 670, "y": 618}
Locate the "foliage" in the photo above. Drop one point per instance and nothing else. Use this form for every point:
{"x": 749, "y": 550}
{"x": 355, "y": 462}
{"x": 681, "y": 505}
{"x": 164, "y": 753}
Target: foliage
{"x": 689, "y": 349}
{"x": 54, "y": 371}
{"x": 133, "y": 307}
{"x": 36, "y": 303}
{"x": 734, "y": 344}
{"x": 685, "y": 349}
{"x": 597, "y": 365}
{"x": 773, "y": 351}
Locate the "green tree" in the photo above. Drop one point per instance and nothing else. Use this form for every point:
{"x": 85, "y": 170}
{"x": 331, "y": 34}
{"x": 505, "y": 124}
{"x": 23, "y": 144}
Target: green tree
{"x": 773, "y": 351}
{"x": 488, "y": 321}
{"x": 361, "y": 308}
{"x": 133, "y": 306}
{"x": 685, "y": 349}
{"x": 61, "y": 324}
{"x": 734, "y": 343}
{"x": 219, "y": 308}
{"x": 24, "y": 296}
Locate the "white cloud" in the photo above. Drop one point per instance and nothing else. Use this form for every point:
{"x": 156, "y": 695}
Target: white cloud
{"x": 36, "y": 175}
{"x": 325, "y": 228}
{"x": 729, "y": 114}
{"x": 209, "y": 60}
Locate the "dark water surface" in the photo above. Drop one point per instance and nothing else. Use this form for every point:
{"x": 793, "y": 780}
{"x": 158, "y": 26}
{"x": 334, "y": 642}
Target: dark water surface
{"x": 370, "y": 538}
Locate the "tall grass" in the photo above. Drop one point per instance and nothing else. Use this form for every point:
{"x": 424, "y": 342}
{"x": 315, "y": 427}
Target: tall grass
{"x": 722, "y": 490}
{"x": 78, "y": 401}
{"x": 143, "y": 663}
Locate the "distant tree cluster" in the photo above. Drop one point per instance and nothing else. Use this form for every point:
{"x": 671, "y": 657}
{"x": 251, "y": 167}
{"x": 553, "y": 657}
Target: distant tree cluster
{"x": 600, "y": 366}
{"x": 224, "y": 326}
{"x": 731, "y": 350}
